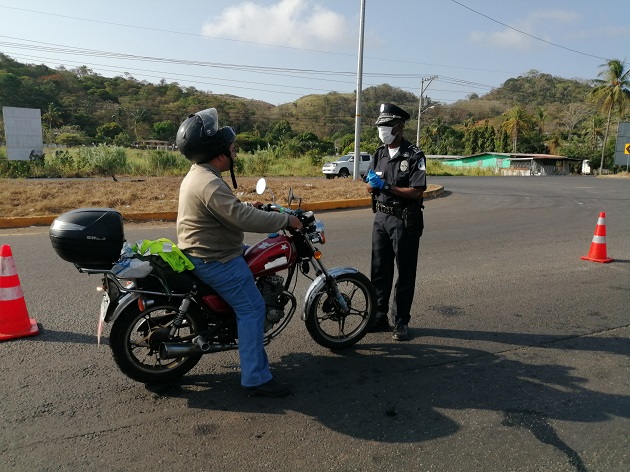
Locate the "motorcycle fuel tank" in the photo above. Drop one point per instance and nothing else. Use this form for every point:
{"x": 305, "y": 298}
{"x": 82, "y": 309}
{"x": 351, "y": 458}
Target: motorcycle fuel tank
{"x": 274, "y": 253}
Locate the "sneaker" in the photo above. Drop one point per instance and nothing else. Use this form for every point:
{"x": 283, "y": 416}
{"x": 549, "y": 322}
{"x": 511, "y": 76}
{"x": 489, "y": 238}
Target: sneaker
{"x": 380, "y": 325}
{"x": 273, "y": 388}
{"x": 400, "y": 333}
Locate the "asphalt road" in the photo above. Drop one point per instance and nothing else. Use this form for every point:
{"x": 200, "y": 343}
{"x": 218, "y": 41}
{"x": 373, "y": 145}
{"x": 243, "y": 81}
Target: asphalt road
{"x": 519, "y": 357}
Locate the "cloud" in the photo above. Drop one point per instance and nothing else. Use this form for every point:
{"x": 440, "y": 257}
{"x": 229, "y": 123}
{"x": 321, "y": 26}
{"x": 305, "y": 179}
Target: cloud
{"x": 507, "y": 39}
{"x": 560, "y": 16}
{"x": 539, "y": 23}
{"x": 297, "y": 23}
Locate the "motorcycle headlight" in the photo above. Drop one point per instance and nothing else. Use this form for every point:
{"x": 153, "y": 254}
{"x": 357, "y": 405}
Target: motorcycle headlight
{"x": 318, "y": 234}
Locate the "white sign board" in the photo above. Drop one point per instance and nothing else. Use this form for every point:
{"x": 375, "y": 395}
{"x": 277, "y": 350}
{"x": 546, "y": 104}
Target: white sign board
{"x": 23, "y": 132}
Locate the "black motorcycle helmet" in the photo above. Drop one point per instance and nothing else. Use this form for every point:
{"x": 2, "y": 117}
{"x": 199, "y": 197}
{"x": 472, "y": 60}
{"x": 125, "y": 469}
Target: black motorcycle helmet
{"x": 200, "y": 139}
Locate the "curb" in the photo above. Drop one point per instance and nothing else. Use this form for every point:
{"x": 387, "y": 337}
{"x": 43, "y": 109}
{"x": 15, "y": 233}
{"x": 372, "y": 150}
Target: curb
{"x": 23, "y": 222}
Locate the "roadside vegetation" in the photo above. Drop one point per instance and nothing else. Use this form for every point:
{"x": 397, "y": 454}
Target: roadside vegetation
{"x": 114, "y": 162}
{"x": 148, "y": 181}
{"x": 119, "y": 133}
{"x": 532, "y": 113}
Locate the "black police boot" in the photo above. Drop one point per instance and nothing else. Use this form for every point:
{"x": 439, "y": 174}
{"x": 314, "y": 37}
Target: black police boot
{"x": 400, "y": 333}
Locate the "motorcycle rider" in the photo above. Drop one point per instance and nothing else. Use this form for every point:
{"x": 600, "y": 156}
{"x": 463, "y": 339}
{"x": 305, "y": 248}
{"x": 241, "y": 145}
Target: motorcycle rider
{"x": 211, "y": 223}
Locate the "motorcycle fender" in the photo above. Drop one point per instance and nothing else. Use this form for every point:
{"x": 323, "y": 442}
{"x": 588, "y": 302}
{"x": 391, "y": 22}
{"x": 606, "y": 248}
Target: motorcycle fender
{"x": 116, "y": 307}
{"x": 319, "y": 283}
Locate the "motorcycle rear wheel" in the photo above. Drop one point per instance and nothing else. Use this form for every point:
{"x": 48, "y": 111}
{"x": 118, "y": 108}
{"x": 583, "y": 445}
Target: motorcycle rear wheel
{"x": 135, "y": 338}
{"x": 329, "y": 327}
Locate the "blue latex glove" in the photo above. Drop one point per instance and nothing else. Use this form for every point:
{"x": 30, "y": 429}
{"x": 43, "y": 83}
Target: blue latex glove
{"x": 374, "y": 180}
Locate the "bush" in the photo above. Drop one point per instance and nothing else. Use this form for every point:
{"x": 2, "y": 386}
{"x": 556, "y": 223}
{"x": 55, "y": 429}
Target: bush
{"x": 103, "y": 160}
{"x": 316, "y": 159}
{"x": 60, "y": 163}
{"x": 260, "y": 163}
{"x": 70, "y": 139}
{"x": 163, "y": 162}
{"x": 33, "y": 167}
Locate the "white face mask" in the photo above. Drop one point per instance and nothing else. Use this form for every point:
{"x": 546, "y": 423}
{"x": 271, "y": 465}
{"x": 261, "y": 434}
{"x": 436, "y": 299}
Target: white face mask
{"x": 385, "y": 134}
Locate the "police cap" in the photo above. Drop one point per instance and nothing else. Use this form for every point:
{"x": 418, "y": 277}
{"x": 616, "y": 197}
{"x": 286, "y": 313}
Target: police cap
{"x": 390, "y": 112}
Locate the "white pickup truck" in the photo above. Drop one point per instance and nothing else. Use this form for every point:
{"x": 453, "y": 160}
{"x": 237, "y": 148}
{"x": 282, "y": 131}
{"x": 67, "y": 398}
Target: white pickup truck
{"x": 344, "y": 166}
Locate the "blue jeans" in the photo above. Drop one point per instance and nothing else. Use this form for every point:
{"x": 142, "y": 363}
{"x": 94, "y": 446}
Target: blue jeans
{"x": 234, "y": 282}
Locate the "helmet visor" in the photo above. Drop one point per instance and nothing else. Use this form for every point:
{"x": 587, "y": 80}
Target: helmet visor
{"x": 210, "y": 119}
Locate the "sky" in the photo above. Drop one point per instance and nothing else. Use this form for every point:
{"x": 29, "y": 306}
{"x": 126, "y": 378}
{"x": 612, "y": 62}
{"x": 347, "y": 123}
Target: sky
{"x": 280, "y": 50}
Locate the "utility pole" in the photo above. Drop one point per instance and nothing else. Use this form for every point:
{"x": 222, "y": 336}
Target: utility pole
{"x": 357, "y": 119}
{"x": 420, "y": 110}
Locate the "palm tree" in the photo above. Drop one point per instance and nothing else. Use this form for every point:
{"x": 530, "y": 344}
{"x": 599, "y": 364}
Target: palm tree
{"x": 437, "y": 127}
{"x": 52, "y": 116}
{"x": 596, "y": 130}
{"x": 612, "y": 92}
{"x": 516, "y": 121}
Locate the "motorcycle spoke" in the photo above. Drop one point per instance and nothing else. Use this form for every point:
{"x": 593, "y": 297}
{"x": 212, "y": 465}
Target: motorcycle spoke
{"x": 141, "y": 348}
{"x": 329, "y": 325}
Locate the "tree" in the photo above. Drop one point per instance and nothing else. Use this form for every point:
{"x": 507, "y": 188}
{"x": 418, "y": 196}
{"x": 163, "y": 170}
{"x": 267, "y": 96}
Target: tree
{"x": 108, "y": 131}
{"x": 612, "y": 92}
{"x": 53, "y": 118}
{"x": 540, "y": 117}
{"x": 281, "y": 131}
{"x": 516, "y": 121}
{"x": 572, "y": 115}
{"x": 502, "y": 143}
{"x": 250, "y": 142}
{"x": 437, "y": 127}
{"x": 486, "y": 138}
{"x": 164, "y": 130}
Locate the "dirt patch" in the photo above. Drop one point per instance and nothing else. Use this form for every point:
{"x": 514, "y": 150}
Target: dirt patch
{"x": 44, "y": 197}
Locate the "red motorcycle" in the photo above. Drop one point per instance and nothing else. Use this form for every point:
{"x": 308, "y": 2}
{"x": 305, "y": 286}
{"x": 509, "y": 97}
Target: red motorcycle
{"x": 165, "y": 322}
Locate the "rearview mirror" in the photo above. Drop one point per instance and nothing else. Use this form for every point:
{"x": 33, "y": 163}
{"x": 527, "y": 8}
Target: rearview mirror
{"x": 261, "y": 185}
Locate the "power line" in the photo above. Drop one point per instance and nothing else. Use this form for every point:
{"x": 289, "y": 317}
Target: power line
{"x": 530, "y": 35}
{"x": 175, "y": 77}
{"x": 160, "y": 30}
{"x": 63, "y": 49}
{"x": 269, "y": 70}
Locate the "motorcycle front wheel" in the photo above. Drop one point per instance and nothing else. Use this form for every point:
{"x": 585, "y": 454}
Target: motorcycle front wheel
{"x": 329, "y": 326}
{"x": 135, "y": 341}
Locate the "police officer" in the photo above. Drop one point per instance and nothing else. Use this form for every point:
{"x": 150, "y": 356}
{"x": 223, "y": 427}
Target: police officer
{"x": 397, "y": 180}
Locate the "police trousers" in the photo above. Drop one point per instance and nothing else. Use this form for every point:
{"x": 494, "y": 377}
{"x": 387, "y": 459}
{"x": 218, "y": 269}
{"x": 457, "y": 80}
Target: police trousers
{"x": 393, "y": 246}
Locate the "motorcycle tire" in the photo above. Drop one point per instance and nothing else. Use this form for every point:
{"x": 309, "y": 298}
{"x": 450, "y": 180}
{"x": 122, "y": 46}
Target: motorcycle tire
{"x": 135, "y": 338}
{"x": 328, "y": 326}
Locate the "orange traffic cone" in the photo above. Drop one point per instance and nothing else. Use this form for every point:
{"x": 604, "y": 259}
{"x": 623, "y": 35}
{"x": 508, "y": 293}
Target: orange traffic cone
{"x": 14, "y": 320}
{"x": 597, "y": 252}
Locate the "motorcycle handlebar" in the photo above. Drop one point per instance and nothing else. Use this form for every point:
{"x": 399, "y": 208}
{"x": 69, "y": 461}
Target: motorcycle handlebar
{"x": 306, "y": 217}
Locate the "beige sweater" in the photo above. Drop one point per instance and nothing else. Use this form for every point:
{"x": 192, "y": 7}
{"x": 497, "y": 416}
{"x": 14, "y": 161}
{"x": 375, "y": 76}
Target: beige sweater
{"x": 211, "y": 221}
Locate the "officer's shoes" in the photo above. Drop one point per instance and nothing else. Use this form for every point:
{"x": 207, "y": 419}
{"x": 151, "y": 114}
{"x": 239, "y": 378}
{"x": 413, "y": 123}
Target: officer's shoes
{"x": 380, "y": 325}
{"x": 400, "y": 333}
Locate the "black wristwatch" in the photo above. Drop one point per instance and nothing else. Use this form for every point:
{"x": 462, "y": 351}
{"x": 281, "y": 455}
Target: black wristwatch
{"x": 386, "y": 188}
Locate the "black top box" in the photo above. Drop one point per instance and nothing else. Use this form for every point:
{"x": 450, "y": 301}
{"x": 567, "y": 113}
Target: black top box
{"x": 91, "y": 238}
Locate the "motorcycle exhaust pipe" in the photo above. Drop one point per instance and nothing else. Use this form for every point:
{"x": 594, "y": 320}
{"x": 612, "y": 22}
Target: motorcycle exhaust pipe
{"x": 175, "y": 350}
{"x": 202, "y": 343}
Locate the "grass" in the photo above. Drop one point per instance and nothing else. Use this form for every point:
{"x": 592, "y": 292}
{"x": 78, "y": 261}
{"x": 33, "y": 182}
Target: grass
{"x": 148, "y": 181}
{"x": 44, "y": 197}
